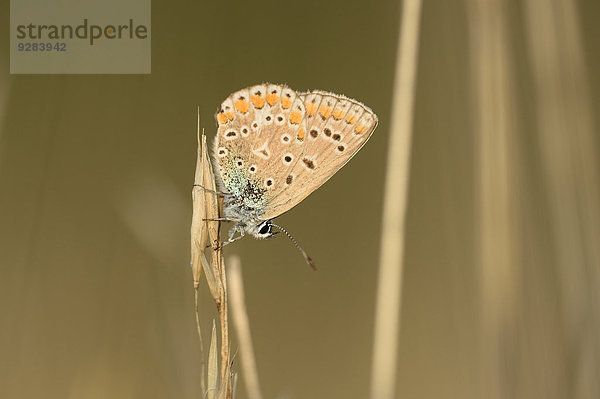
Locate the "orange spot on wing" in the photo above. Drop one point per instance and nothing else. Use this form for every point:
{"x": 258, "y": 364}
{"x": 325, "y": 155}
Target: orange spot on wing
{"x": 258, "y": 101}
{"x": 360, "y": 129}
{"x": 311, "y": 108}
{"x": 325, "y": 111}
{"x": 285, "y": 102}
{"x": 295, "y": 117}
{"x": 351, "y": 119}
{"x": 337, "y": 114}
{"x": 222, "y": 118}
{"x": 229, "y": 115}
{"x": 242, "y": 106}
{"x": 272, "y": 98}
{"x": 301, "y": 134}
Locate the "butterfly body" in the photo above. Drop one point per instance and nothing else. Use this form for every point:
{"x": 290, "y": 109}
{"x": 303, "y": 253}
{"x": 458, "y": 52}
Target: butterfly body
{"x": 274, "y": 147}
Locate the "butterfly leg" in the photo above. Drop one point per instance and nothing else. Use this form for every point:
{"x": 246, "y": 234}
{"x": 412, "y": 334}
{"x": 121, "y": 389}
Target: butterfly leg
{"x": 231, "y": 238}
{"x": 220, "y": 194}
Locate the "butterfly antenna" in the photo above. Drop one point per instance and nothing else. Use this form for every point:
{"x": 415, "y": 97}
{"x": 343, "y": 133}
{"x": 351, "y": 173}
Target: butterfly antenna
{"x": 307, "y": 258}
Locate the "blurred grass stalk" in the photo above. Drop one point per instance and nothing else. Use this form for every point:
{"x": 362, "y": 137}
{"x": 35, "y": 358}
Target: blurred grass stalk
{"x": 539, "y": 297}
{"x": 495, "y": 130}
{"x": 205, "y": 230}
{"x": 569, "y": 153}
{"x": 389, "y": 292}
{"x": 242, "y": 326}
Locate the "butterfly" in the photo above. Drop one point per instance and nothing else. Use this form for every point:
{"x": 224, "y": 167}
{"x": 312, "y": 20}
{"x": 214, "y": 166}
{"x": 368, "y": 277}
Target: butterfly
{"x": 274, "y": 147}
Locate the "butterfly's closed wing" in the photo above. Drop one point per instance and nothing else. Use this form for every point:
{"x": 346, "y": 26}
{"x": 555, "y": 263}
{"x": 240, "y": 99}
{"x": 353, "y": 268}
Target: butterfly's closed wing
{"x": 336, "y": 128}
{"x": 259, "y": 138}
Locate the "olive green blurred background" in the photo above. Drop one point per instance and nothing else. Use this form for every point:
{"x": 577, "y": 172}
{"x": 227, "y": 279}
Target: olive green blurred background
{"x": 96, "y": 297}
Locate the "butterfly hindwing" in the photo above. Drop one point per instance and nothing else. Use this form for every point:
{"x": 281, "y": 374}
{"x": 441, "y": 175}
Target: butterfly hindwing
{"x": 257, "y": 142}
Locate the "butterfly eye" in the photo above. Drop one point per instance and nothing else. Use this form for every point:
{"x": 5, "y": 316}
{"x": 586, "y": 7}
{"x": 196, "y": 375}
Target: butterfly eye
{"x": 265, "y": 229}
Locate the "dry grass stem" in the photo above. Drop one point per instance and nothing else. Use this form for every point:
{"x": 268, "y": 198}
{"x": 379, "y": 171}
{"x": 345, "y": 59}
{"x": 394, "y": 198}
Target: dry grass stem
{"x": 205, "y": 233}
{"x": 213, "y": 365}
{"x": 242, "y": 326}
{"x": 389, "y": 294}
{"x": 224, "y": 319}
{"x": 199, "y": 236}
